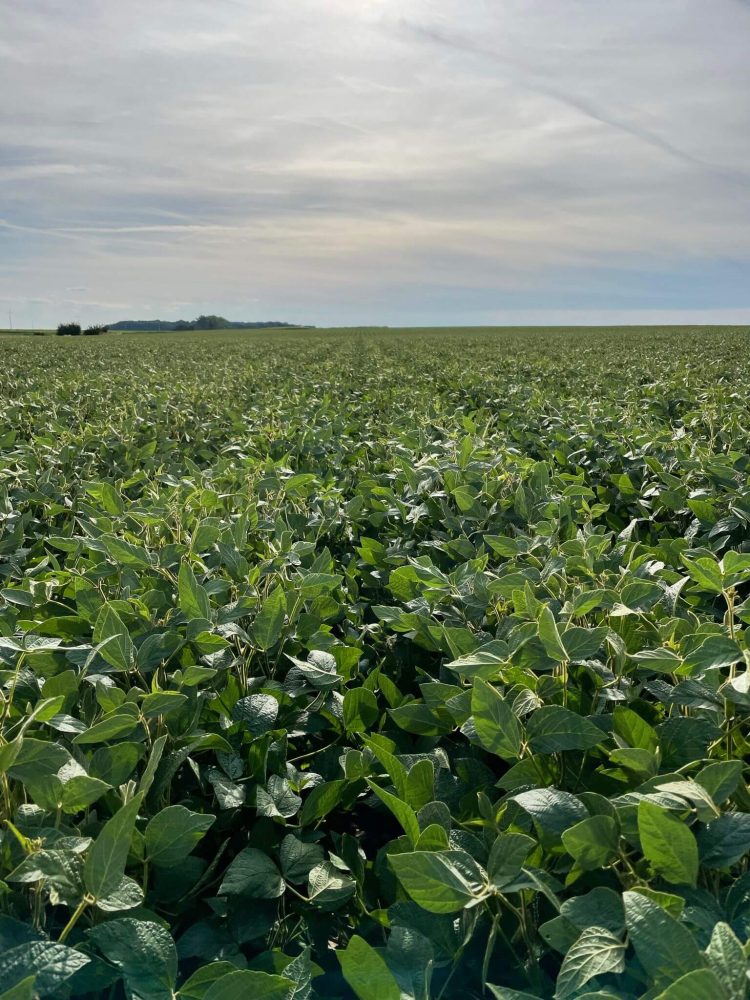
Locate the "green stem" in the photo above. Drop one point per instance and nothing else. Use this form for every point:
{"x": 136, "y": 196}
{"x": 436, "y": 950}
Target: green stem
{"x": 73, "y": 920}
{"x": 488, "y": 951}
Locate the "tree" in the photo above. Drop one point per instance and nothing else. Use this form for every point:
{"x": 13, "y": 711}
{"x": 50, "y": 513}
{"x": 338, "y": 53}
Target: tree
{"x": 69, "y": 330}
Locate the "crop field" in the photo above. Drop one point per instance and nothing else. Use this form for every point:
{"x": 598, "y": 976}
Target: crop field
{"x": 375, "y": 665}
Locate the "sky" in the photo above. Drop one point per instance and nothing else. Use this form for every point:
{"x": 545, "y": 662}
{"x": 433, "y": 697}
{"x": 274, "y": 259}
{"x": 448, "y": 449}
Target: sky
{"x": 358, "y": 162}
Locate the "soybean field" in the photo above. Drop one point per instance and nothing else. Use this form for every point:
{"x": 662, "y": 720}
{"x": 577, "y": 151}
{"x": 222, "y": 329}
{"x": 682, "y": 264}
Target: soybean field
{"x": 375, "y": 665}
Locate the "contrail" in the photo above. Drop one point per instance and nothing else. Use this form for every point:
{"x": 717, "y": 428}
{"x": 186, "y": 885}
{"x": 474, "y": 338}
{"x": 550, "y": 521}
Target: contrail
{"x": 582, "y": 105}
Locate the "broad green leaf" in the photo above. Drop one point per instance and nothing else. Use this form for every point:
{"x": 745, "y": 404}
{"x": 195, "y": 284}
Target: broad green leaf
{"x": 162, "y": 703}
{"x": 403, "y": 812}
{"x": 328, "y": 887}
{"x": 50, "y": 964}
{"x": 665, "y": 948}
{"x": 297, "y": 858}
{"x": 143, "y": 951}
{"x": 582, "y": 643}
{"x": 249, "y": 984}
{"x": 497, "y": 728}
{"x": 269, "y": 623}
{"x": 126, "y": 896}
{"x": 192, "y": 596}
{"x": 321, "y": 800}
{"x": 720, "y": 779}
{"x": 727, "y": 959}
{"x": 724, "y": 841}
{"x": 107, "y": 856}
{"x": 553, "y": 728}
{"x": 360, "y": 710}
{"x": 82, "y": 791}
{"x": 125, "y": 553}
{"x": 593, "y": 842}
{"x": 438, "y": 882}
{"x": 715, "y": 652}
{"x": 196, "y": 987}
{"x": 668, "y": 844}
{"x": 113, "y": 638}
{"x": 706, "y": 572}
{"x": 173, "y": 833}
{"x": 701, "y": 984}
{"x": 252, "y": 873}
{"x": 366, "y": 971}
{"x": 596, "y": 952}
{"x": 550, "y": 636}
{"x": 507, "y": 857}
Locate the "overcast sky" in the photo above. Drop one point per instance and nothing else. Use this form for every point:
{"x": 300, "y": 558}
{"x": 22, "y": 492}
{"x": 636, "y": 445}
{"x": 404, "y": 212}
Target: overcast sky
{"x": 375, "y": 161}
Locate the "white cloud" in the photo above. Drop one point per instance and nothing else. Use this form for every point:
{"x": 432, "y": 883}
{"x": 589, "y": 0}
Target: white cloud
{"x": 338, "y": 161}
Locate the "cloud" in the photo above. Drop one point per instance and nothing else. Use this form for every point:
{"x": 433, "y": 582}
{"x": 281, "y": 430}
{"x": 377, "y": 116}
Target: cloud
{"x": 334, "y": 162}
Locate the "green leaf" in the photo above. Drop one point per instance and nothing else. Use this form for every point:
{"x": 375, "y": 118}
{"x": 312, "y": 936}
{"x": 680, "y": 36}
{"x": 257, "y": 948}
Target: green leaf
{"x": 724, "y": 841}
{"x": 125, "y": 553}
{"x": 269, "y": 623}
{"x": 50, "y": 964}
{"x": 143, "y": 951}
{"x": 726, "y": 958}
{"x": 249, "y": 984}
{"x": 497, "y": 727}
{"x": 440, "y": 883}
{"x": 553, "y": 728}
{"x": 321, "y": 800}
{"x": 507, "y": 857}
{"x": 24, "y": 990}
{"x": 366, "y": 971}
{"x": 328, "y": 887}
{"x": 634, "y": 730}
{"x": 126, "y": 896}
{"x": 403, "y": 812}
{"x": 596, "y": 952}
{"x": 297, "y": 858}
{"x": 252, "y": 873}
{"x": 162, "y": 703}
{"x": 668, "y": 844}
{"x": 550, "y": 636}
{"x": 105, "y": 864}
{"x": 192, "y": 597}
{"x": 715, "y": 652}
{"x": 665, "y": 948}
{"x": 173, "y": 833}
{"x": 720, "y": 779}
{"x": 582, "y": 643}
{"x": 593, "y": 842}
{"x": 701, "y": 984}
{"x": 81, "y": 792}
{"x": 360, "y": 710}
{"x": 706, "y": 572}
{"x": 196, "y": 987}
{"x": 111, "y": 634}
{"x": 552, "y": 809}
{"x": 115, "y": 764}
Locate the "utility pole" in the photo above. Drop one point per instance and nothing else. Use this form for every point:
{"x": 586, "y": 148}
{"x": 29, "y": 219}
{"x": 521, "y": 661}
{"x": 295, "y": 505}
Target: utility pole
{"x": 10, "y": 319}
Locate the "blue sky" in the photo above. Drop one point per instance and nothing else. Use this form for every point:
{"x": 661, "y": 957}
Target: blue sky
{"x": 375, "y": 161}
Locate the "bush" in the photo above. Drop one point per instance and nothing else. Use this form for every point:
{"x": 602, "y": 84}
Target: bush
{"x": 94, "y": 331}
{"x": 69, "y": 330}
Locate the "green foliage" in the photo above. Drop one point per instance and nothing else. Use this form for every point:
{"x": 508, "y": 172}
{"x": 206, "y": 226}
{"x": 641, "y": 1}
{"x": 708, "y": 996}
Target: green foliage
{"x": 375, "y": 667}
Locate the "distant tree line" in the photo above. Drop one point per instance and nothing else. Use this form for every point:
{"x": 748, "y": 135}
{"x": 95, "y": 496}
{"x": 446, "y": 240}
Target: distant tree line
{"x": 74, "y": 330}
{"x": 201, "y": 323}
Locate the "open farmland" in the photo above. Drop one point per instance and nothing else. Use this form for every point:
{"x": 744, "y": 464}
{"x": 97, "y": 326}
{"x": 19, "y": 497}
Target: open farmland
{"x": 380, "y": 665}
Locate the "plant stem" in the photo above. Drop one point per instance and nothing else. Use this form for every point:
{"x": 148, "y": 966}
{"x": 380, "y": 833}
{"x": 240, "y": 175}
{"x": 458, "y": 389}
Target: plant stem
{"x": 488, "y": 951}
{"x": 73, "y": 920}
